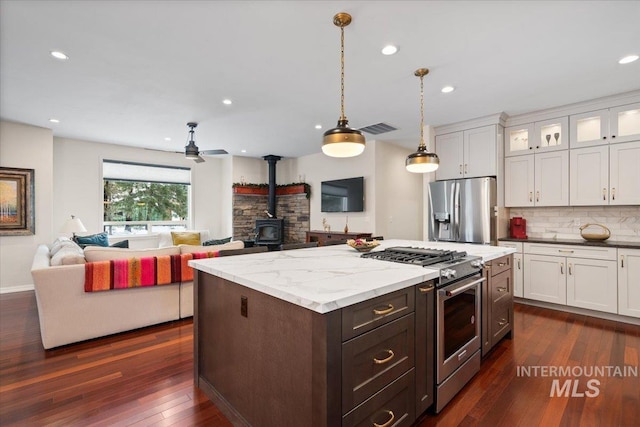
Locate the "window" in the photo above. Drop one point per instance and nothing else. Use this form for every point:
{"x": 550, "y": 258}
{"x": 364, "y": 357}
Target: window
{"x": 141, "y": 198}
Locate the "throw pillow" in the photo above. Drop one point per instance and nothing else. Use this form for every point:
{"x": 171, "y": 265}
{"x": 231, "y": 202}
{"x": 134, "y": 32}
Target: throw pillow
{"x": 99, "y": 239}
{"x": 216, "y": 242}
{"x": 185, "y": 238}
{"x": 122, "y": 244}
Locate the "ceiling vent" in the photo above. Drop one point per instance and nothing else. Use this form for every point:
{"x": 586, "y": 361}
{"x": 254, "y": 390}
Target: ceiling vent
{"x": 378, "y": 128}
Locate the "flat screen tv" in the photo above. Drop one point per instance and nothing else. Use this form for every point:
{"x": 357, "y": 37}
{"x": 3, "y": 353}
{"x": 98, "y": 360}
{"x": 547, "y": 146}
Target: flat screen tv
{"x": 343, "y": 195}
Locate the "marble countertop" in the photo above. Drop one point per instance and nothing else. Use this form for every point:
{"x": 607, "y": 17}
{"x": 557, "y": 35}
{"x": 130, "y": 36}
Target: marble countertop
{"x": 579, "y": 242}
{"x": 331, "y": 277}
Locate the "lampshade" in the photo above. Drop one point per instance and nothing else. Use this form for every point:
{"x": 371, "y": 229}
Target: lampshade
{"x": 73, "y": 225}
{"x": 422, "y": 161}
{"x": 342, "y": 141}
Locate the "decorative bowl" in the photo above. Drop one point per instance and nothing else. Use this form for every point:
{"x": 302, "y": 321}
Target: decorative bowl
{"x": 361, "y": 245}
{"x": 595, "y": 237}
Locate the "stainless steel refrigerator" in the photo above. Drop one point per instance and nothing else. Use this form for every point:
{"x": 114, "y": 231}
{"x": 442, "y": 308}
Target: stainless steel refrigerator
{"x": 463, "y": 210}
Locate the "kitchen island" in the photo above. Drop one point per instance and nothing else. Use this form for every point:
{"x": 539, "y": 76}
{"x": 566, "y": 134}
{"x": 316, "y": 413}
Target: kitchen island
{"x": 278, "y": 335}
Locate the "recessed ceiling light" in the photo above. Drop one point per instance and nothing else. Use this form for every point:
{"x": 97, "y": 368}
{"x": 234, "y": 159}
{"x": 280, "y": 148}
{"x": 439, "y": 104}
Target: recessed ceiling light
{"x": 243, "y": 151}
{"x": 167, "y": 139}
{"x": 389, "y": 49}
{"x": 447, "y": 89}
{"x": 318, "y": 126}
{"x": 58, "y": 55}
{"x": 54, "y": 120}
{"x": 226, "y": 102}
{"x": 628, "y": 59}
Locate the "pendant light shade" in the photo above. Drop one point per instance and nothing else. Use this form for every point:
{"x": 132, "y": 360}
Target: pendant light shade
{"x": 422, "y": 161}
{"x": 342, "y": 141}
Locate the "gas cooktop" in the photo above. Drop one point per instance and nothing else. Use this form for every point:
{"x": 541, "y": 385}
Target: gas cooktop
{"x": 416, "y": 256}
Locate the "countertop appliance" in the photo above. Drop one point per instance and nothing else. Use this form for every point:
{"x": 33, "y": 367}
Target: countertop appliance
{"x": 457, "y": 313}
{"x": 518, "y": 227}
{"x": 463, "y": 210}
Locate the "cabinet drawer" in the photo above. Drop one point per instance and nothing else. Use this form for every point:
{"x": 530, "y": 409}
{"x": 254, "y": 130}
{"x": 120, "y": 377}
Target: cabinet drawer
{"x": 373, "y": 360}
{"x": 591, "y": 252}
{"x": 501, "y": 264}
{"x": 501, "y": 287}
{"x": 394, "y": 406}
{"x": 515, "y": 245}
{"x": 367, "y": 315}
{"x": 501, "y": 321}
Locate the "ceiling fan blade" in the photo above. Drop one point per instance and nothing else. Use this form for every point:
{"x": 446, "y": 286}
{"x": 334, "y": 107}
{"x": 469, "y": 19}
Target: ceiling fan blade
{"x": 198, "y": 160}
{"x": 212, "y": 152}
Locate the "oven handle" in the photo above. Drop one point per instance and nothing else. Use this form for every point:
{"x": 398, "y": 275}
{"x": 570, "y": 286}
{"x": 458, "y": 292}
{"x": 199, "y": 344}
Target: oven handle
{"x": 463, "y": 288}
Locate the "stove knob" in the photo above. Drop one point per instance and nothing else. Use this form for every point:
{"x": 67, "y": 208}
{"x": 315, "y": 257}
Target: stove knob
{"x": 477, "y": 264}
{"x": 449, "y": 273}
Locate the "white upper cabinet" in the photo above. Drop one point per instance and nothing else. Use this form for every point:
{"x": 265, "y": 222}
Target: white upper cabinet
{"x": 547, "y": 135}
{"x": 624, "y": 173}
{"x": 589, "y": 180}
{"x": 467, "y": 154}
{"x": 613, "y": 125}
{"x": 540, "y": 179}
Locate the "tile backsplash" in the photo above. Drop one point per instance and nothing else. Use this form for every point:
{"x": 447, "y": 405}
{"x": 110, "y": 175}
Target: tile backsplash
{"x": 565, "y": 222}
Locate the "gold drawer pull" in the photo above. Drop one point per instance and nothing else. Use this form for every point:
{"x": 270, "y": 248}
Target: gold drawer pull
{"x": 565, "y": 251}
{"x": 501, "y": 289}
{"x": 502, "y": 322}
{"x": 387, "y": 310}
{"x": 502, "y": 264}
{"x": 392, "y": 417}
{"x": 425, "y": 289}
{"x": 386, "y": 359}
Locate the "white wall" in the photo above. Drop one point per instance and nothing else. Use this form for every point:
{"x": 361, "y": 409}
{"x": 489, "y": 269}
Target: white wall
{"x": 27, "y": 147}
{"x": 77, "y": 188}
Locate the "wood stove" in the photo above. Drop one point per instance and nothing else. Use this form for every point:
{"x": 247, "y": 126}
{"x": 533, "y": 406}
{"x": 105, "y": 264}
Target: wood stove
{"x": 269, "y": 231}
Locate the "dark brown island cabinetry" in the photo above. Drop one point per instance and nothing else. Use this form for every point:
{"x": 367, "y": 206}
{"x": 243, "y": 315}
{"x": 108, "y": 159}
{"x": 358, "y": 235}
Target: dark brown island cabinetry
{"x": 328, "y": 238}
{"x": 267, "y": 362}
{"x": 497, "y": 302}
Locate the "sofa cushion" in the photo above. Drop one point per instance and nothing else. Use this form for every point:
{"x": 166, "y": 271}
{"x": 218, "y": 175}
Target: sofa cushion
{"x": 213, "y": 242}
{"x": 100, "y": 239}
{"x": 67, "y": 252}
{"x": 185, "y": 237}
{"x": 98, "y": 253}
{"x": 164, "y": 237}
{"x": 121, "y": 244}
{"x": 58, "y": 243}
{"x": 191, "y": 249}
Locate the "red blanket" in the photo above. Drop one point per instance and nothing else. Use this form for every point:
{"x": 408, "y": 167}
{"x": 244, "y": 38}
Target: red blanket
{"x": 137, "y": 272}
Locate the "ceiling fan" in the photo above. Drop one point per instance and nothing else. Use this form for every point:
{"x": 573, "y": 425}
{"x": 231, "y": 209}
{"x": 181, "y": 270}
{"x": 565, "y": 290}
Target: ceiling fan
{"x": 191, "y": 149}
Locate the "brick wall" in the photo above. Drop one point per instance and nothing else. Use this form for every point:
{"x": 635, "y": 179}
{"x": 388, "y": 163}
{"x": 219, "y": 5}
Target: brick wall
{"x": 295, "y": 209}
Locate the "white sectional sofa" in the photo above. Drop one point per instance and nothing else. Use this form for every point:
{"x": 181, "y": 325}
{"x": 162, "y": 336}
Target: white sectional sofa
{"x": 68, "y": 314}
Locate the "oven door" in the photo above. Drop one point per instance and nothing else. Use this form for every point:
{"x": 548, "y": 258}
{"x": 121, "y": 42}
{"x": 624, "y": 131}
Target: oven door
{"x": 458, "y": 324}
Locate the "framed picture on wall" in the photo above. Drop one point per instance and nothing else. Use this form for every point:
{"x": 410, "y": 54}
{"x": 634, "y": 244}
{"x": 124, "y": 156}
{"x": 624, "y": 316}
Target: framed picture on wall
{"x": 17, "y": 214}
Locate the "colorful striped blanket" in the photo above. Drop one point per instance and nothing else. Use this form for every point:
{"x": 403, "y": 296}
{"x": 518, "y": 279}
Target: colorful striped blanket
{"x": 138, "y": 272}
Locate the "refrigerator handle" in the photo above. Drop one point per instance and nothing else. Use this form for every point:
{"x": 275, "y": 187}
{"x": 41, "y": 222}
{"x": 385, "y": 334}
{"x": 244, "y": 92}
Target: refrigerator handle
{"x": 456, "y": 211}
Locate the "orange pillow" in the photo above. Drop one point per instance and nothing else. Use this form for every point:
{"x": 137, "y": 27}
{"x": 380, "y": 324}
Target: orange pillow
{"x": 185, "y": 238}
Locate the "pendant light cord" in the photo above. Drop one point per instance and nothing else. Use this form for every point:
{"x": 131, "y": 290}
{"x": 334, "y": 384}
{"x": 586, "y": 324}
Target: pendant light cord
{"x": 422, "y": 145}
{"x": 342, "y": 117}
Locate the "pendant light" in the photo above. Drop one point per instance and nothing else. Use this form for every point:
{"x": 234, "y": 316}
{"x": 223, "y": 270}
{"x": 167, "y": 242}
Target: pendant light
{"x": 422, "y": 161}
{"x": 342, "y": 141}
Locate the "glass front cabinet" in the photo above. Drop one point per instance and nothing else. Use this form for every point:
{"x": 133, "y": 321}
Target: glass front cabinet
{"x": 608, "y": 126}
{"x": 547, "y": 135}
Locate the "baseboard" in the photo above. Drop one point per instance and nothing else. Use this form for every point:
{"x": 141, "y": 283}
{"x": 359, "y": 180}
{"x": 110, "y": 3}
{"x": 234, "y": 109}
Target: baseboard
{"x": 12, "y": 289}
{"x": 578, "y": 310}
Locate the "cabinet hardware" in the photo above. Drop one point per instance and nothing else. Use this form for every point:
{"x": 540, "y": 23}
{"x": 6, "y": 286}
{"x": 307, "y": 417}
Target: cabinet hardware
{"x": 387, "y": 310}
{"x": 537, "y": 196}
{"x": 502, "y": 264}
{"x": 386, "y": 359}
{"x": 531, "y": 196}
{"x": 502, "y": 322}
{"x": 604, "y": 194}
{"x": 460, "y": 168}
{"x": 604, "y": 137}
{"x": 530, "y": 148}
{"x": 425, "y": 289}
{"x": 565, "y": 251}
{"x": 392, "y": 417}
{"x": 621, "y": 261}
{"x": 613, "y": 136}
{"x": 519, "y": 265}
{"x": 561, "y": 268}
{"x": 465, "y": 168}
{"x": 570, "y": 273}
{"x": 501, "y": 289}
{"x": 613, "y": 193}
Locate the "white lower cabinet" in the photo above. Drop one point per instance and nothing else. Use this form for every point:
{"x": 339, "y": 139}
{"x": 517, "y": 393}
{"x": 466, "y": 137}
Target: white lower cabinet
{"x": 545, "y": 278}
{"x": 629, "y": 282}
{"x": 592, "y": 284}
{"x": 518, "y": 277}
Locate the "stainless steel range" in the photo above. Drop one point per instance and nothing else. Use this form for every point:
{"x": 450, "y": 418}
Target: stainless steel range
{"x": 457, "y": 313}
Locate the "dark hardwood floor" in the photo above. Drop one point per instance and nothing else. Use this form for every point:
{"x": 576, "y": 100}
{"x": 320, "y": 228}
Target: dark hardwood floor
{"x": 145, "y": 377}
